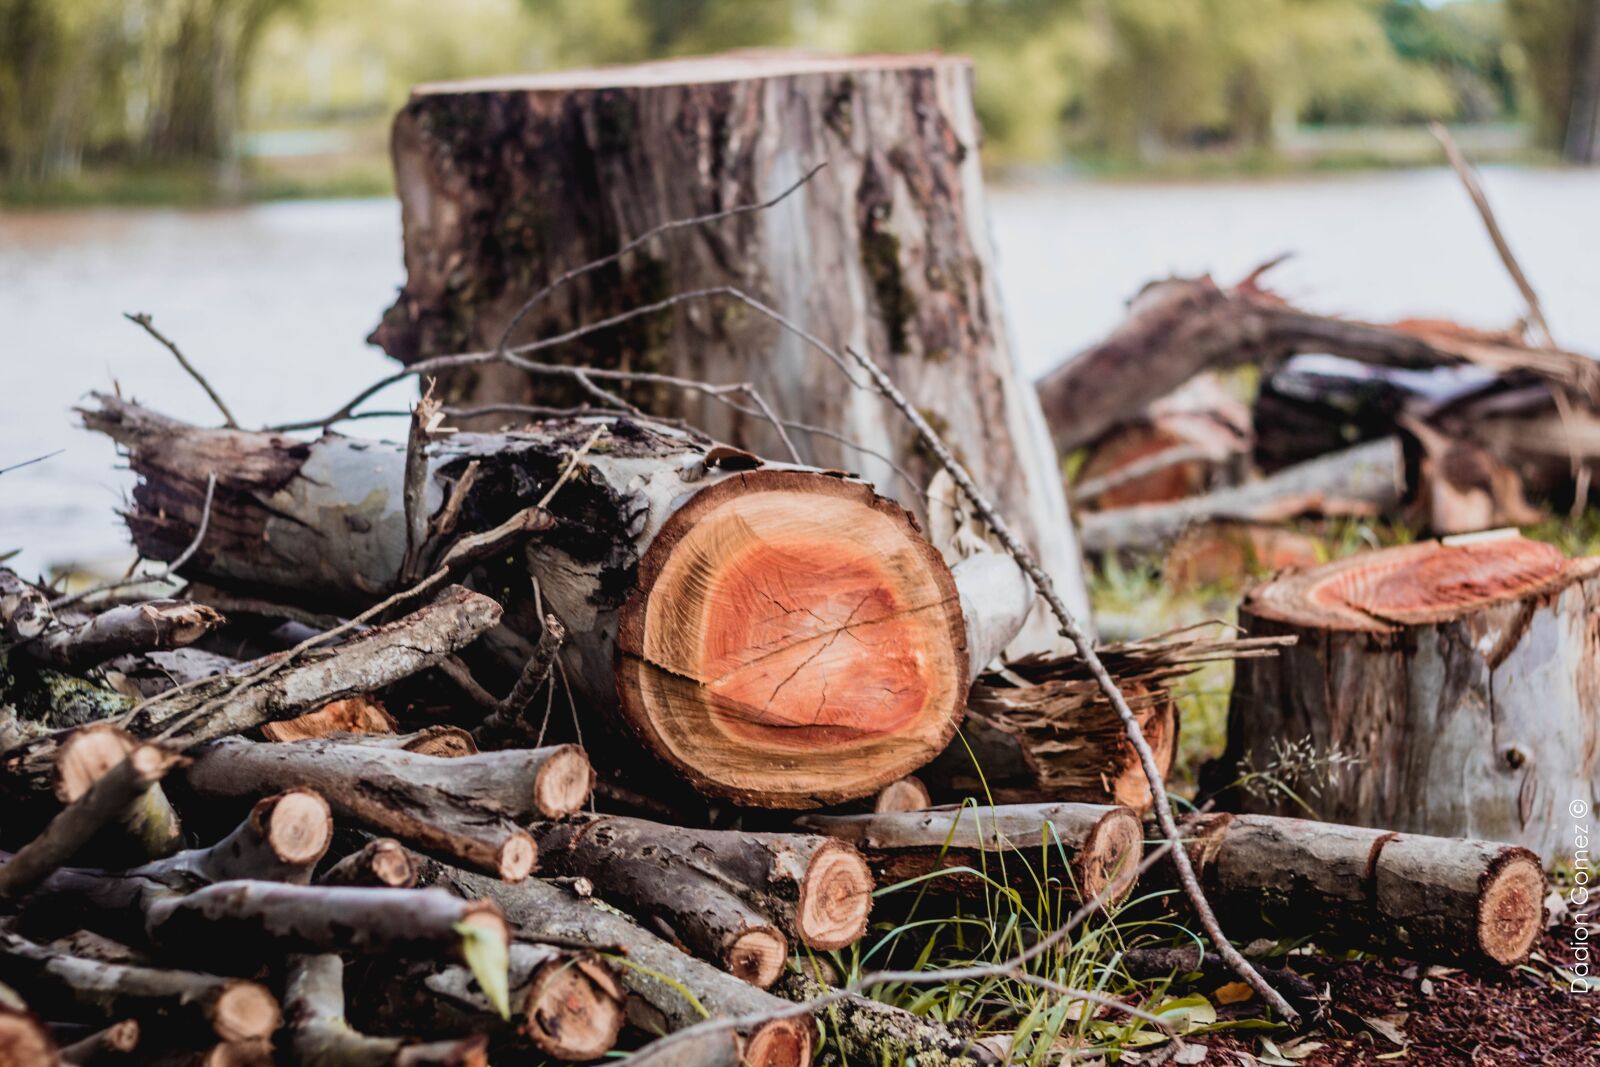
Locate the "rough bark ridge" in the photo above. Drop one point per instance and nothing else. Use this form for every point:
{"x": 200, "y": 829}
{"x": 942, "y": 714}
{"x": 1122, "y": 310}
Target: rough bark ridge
{"x": 505, "y": 185}
{"x": 777, "y": 635}
{"x": 1463, "y": 677}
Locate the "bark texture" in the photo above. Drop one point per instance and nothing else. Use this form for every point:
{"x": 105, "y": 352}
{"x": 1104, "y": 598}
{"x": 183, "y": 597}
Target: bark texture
{"x": 1463, "y": 678}
{"x": 504, "y": 185}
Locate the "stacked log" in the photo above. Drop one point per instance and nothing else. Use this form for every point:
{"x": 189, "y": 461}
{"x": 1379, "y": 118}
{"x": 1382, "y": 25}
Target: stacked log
{"x": 1444, "y": 688}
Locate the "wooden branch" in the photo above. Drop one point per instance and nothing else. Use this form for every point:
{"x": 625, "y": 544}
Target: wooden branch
{"x": 381, "y": 862}
{"x": 319, "y": 1036}
{"x": 353, "y": 715}
{"x": 123, "y": 629}
{"x": 874, "y": 1031}
{"x": 509, "y": 719}
{"x": 566, "y": 1004}
{"x": 104, "y": 1046}
{"x": 1081, "y": 849}
{"x": 281, "y": 840}
{"x": 448, "y": 742}
{"x": 106, "y": 800}
{"x": 1425, "y": 898}
{"x": 654, "y": 972}
{"x": 275, "y": 688}
{"x": 148, "y": 827}
{"x": 1368, "y": 479}
{"x": 735, "y": 898}
{"x": 908, "y": 794}
{"x": 175, "y": 1002}
{"x": 463, "y": 809}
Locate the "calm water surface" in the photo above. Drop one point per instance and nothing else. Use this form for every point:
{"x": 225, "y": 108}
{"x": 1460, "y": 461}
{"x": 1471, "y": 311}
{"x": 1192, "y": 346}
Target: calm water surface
{"x": 274, "y": 301}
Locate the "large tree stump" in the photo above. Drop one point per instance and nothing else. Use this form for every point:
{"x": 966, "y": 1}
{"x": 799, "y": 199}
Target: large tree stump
{"x": 505, "y": 184}
{"x": 777, "y": 635}
{"x": 1464, "y": 677}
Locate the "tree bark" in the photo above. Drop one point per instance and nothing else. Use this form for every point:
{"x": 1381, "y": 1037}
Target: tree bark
{"x": 659, "y": 973}
{"x": 319, "y": 1036}
{"x": 887, "y": 249}
{"x": 123, "y": 629}
{"x": 1424, "y": 898}
{"x": 464, "y": 809}
{"x": 874, "y": 1031}
{"x": 735, "y": 898}
{"x": 1079, "y": 848}
{"x": 566, "y": 1004}
{"x": 779, "y": 636}
{"x": 148, "y": 827}
{"x": 281, "y": 841}
{"x": 174, "y": 1002}
{"x": 1456, "y": 682}
{"x": 381, "y": 862}
{"x": 104, "y": 1046}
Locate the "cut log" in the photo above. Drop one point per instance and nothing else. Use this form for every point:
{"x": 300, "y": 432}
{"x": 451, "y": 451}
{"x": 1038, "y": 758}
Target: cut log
{"x": 782, "y": 637}
{"x": 1424, "y": 898}
{"x": 281, "y": 841}
{"x": 1368, "y": 479}
{"x": 1079, "y": 848}
{"x": 567, "y": 1005}
{"x": 124, "y": 628}
{"x": 1180, "y": 327}
{"x": 319, "y": 1036}
{"x": 148, "y": 828}
{"x": 886, "y": 249}
{"x": 659, "y": 975}
{"x": 353, "y": 715}
{"x": 104, "y": 1046}
{"x": 174, "y": 1002}
{"x": 25, "y": 1041}
{"x": 381, "y": 862}
{"x": 1453, "y": 684}
{"x": 908, "y": 794}
{"x": 465, "y": 808}
{"x": 733, "y": 897}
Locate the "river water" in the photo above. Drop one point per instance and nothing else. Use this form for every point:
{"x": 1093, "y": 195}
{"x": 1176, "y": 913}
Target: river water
{"x": 273, "y": 301}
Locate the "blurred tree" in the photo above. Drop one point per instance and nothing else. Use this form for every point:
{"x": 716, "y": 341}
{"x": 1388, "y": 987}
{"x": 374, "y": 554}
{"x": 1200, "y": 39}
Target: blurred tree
{"x": 1561, "y": 41}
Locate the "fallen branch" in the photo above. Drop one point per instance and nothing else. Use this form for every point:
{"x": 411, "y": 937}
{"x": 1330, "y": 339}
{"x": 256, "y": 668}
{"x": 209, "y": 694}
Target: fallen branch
{"x": 123, "y": 629}
{"x": 319, "y": 1036}
{"x": 381, "y": 862}
{"x": 148, "y": 827}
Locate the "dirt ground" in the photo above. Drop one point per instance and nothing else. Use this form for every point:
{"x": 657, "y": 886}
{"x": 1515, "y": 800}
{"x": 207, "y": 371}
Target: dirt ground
{"x": 1444, "y": 1017}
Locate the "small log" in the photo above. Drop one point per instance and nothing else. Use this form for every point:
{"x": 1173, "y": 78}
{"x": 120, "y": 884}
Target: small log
{"x": 319, "y": 1036}
{"x": 367, "y": 662}
{"x": 876, "y": 1032}
{"x": 733, "y": 897}
{"x": 659, "y": 972}
{"x": 382, "y": 862}
{"x": 1368, "y": 479}
{"x": 463, "y": 808}
{"x": 238, "y": 923}
{"x": 567, "y": 1005}
{"x": 445, "y": 741}
{"x": 1080, "y": 848}
{"x": 107, "y": 799}
{"x": 1454, "y": 681}
{"x": 281, "y": 840}
{"x": 104, "y": 1046}
{"x": 353, "y": 715}
{"x": 1425, "y": 898}
{"x": 743, "y": 626}
{"x": 148, "y": 828}
{"x": 124, "y": 629}
{"x": 175, "y": 1002}
{"x": 908, "y": 794}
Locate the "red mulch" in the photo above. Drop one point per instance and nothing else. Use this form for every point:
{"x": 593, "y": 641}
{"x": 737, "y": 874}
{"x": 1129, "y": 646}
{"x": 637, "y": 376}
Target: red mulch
{"x": 1506, "y": 1017}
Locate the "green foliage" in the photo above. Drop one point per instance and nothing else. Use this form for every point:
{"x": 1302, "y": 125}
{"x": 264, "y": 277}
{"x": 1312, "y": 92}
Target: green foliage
{"x": 1552, "y": 35}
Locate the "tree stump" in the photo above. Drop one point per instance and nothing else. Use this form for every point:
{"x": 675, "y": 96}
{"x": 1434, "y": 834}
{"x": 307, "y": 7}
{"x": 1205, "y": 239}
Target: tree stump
{"x": 1463, "y": 675}
{"x": 505, "y": 184}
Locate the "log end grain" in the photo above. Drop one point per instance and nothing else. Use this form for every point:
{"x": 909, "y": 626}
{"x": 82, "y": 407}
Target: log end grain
{"x": 516, "y": 857}
{"x": 563, "y": 783}
{"x": 792, "y": 640}
{"x": 779, "y": 1043}
{"x": 1109, "y": 861}
{"x": 448, "y": 742}
{"x": 907, "y": 794}
{"x": 245, "y": 1011}
{"x": 835, "y": 898}
{"x": 85, "y": 756}
{"x": 381, "y": 863}
{"x": 297, "y": 826}
{"x": 1511, "y": 907}
{"x": 25, "y": 1041}
{"x": 353, "y": 715}
{"x": 574, "y": 1009}
{"x": 756, "y": 955}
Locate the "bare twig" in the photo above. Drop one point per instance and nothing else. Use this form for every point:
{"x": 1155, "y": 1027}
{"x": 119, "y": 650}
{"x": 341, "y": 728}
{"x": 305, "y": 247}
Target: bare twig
{"x": 144, "y": 320}
{"x": 167, "y": 572}
{"x": 31, "y": 462}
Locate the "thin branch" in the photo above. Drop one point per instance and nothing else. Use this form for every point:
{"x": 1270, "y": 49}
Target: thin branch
{"x": 143, "y": 319}
{"x": 167, "y": 572}
{"x": 31, "y": 462}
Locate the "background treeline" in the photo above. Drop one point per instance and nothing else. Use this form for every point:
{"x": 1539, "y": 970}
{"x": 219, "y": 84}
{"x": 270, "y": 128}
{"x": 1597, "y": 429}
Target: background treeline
{"x": 179, "y": 83}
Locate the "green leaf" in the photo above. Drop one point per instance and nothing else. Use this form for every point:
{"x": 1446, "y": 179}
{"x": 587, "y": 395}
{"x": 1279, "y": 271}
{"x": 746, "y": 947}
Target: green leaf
{"x": 489, "y": 959}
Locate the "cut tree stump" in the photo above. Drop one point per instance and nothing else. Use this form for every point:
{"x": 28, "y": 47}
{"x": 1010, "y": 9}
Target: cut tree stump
{"x": 1463, "y": 676}
{"x": 506, "y": 184}
{"x": 780, "y": 636}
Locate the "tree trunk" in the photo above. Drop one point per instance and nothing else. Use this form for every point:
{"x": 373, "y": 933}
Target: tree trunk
{"x": 1460, "y": 677}
{"x": 733, "y": 897}
{"x": 1425, "y": 898}
{"x": 659, "y": 975}
{"x": 779, "y": 636}
{"x": 1081, "y": 848}
{"x": 505, "y": 185}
